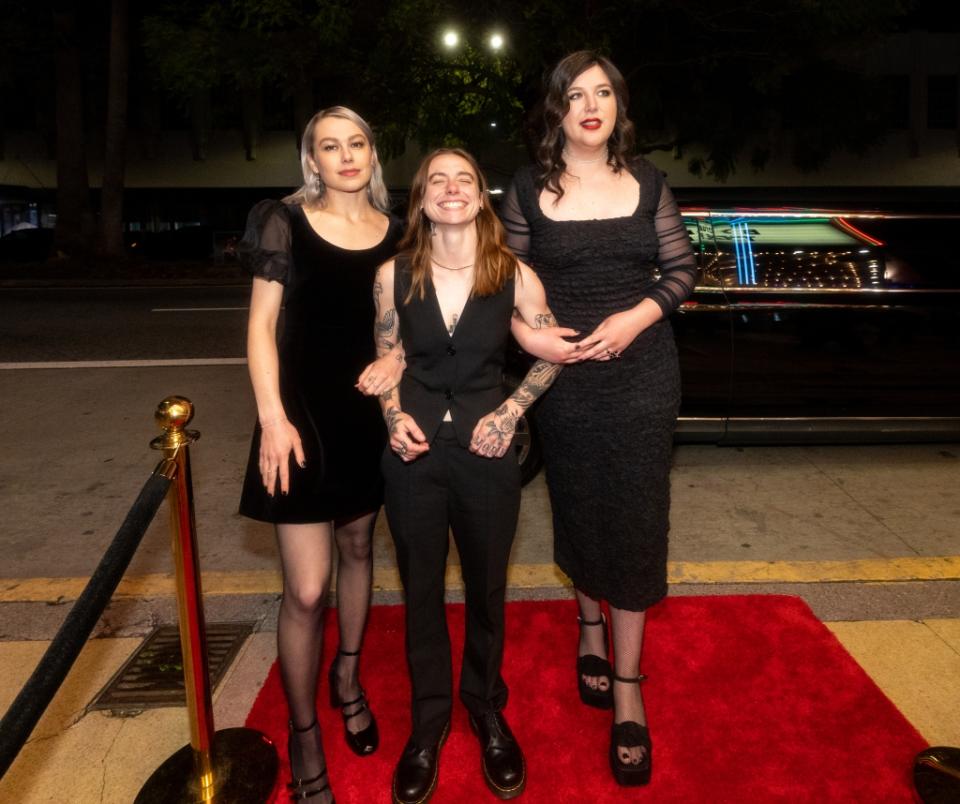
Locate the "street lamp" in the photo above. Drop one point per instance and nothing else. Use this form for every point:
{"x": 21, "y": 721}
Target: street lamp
{"x": 451, "y": 39}
{"x": 496, "y": 41}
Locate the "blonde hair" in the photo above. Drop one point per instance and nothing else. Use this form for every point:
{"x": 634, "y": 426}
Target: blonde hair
{"x": 495, "y": 263}
{"x": 313, "y": 189}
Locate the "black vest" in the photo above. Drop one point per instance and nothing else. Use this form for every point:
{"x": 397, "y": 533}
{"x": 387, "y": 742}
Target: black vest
{"x": 463, "y": 372}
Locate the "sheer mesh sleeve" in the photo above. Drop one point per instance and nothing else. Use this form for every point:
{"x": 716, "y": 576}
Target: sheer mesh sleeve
{"x": 678, "y": 267}
{"x": 515, "y": 222}
{"x": 264, "y": 250}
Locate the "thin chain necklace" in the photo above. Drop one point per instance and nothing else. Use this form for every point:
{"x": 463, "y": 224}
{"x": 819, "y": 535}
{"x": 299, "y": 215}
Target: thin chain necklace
{"x": 448, "y": 268}
{"x": 568, "y": 158}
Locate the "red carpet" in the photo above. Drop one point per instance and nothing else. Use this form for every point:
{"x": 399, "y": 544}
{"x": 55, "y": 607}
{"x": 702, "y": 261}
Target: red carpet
{"x": 750, "y": 699}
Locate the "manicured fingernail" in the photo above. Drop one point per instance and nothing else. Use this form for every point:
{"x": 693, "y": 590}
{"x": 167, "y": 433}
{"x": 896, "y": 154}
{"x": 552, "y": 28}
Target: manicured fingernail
{"x": 303, "y": 464}
{"x": 284, "y": 493}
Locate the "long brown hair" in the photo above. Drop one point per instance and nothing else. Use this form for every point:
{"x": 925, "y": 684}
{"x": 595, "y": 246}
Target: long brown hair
{"x": 495, "y": 264}
{"x": 549, "y": 150}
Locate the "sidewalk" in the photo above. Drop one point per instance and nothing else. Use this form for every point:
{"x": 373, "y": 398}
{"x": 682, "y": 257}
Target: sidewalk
{"x": 867, "y": 535}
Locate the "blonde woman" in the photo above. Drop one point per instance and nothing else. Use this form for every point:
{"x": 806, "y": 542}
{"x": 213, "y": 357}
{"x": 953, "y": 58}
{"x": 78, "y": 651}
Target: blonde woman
{"x": 314, "y": 463}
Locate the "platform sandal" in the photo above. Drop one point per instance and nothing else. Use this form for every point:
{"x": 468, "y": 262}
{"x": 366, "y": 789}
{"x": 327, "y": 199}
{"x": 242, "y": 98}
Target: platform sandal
{"x": 364, "y": 742}
{"x": 630, "y": 734}
{"x": 592, "y": 665}
{"x": 299, "y": 787}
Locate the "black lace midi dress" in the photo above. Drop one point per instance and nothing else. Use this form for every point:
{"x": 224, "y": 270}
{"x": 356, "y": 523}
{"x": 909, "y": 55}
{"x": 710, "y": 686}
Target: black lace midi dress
{"x": 607, "y": 427}
{"x": 326, "y": 340}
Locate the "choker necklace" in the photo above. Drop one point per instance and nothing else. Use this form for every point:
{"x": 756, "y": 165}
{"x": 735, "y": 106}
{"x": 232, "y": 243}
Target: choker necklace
{"x": 448, "y": 268}
{"x": 567, "y": 158}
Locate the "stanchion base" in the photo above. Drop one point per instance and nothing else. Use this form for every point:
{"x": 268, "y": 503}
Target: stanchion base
{"x": 244, "y": 771}
{"x": 936, "y": 775}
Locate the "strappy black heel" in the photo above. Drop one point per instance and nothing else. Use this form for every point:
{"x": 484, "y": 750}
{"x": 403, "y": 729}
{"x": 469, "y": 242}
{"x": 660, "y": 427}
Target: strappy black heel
{"x": 299, "y": 787}
{"x": 630, "y": 734}
{"x": 364, "y": 742}
{"x": 591, "y": 665}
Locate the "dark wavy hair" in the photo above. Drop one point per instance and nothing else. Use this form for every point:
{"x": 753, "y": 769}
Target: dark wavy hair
{"x": 549, "y": 148}
{"x": 495, "y": 263}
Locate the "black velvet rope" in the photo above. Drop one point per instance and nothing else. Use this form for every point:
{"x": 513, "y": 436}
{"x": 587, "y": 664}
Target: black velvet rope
{"x": 30, "y": 704}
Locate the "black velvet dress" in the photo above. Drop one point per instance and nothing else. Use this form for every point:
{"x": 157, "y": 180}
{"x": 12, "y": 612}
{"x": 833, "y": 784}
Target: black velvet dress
{"x": 607, "y": 427}
{"x": 326, "y": 340}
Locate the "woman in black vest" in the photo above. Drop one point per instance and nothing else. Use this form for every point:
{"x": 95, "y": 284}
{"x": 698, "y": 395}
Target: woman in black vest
{"x": 450, "y": 297}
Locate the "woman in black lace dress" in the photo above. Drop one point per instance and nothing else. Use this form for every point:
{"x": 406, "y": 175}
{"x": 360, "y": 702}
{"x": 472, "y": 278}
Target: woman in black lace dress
{"x": 603, "y": 232}
{"x": 314, "y": 462}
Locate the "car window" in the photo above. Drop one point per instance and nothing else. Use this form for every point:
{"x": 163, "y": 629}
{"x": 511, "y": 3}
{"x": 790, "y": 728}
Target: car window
{"x": 793, "y": 251}
{"x": 919, "y": 251}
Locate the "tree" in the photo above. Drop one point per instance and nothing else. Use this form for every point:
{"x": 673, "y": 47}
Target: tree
{"x": 724, "y": 80}
{"x": 114, "y": 161}
{"x": 74, "y": 229}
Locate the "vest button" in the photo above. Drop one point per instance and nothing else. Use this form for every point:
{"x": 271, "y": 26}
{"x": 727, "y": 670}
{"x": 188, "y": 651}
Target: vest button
{"x": 451, "y": 350}
{"x": 448, "y": 394}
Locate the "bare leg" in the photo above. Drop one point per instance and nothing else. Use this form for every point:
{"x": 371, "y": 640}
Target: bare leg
{"x": 354, "y": 580}
{"x": 591, "y": 638}
{"x": 305, "y": 553}
{"x": 627, "y": 700}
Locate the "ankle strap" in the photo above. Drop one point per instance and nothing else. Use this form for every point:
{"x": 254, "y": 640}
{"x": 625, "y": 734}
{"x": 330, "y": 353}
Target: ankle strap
{"x": 343, "y": 652}
{"x": 294, "y": 727}
{"x": 601, "y": 621}
{"x": 635, "y": 680}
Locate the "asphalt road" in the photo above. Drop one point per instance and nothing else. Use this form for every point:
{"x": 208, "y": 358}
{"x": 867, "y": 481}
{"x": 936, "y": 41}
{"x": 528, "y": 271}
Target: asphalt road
{"x": 81, "y": 371}
{"x": 122, "y": 323}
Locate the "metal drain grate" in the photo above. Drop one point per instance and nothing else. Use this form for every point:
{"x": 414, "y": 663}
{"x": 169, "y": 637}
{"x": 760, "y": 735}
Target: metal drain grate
{"x": 153, "y": 675}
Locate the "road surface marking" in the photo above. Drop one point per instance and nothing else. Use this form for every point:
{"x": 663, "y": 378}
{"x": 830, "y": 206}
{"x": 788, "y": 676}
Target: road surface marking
{"x": 519, "y": 576}
{"x": 92, "y": 364}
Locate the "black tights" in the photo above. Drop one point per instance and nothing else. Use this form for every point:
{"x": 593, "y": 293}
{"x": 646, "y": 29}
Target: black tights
{"x": 306, "y": 557}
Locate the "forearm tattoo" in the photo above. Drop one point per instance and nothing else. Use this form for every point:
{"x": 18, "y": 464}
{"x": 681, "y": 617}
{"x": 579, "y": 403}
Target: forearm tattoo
{"x": 538, "y": 380}
{"x": 390, "y": 416}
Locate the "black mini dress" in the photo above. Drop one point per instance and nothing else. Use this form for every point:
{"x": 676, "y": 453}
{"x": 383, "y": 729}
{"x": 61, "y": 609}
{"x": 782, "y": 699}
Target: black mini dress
{"x": 325, "y": 341}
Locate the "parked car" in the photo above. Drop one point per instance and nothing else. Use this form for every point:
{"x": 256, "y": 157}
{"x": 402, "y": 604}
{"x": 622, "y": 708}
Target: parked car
{"x": 814, "y": 327}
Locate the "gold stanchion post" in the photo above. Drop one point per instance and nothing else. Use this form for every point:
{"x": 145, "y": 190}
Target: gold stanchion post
{"x": 232, "y": 765}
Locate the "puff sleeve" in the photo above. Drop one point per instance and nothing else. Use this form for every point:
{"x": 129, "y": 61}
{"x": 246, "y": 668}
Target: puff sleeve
{"x": 264, "y": 250}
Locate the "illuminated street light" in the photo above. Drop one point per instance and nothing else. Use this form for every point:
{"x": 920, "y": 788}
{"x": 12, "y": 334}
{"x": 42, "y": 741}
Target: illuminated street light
{"x": 451, "y": 39}
{"x": 496, "y": 41}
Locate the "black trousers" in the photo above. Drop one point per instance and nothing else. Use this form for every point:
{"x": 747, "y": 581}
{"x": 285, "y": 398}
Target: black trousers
{"x": 450, "y": 488}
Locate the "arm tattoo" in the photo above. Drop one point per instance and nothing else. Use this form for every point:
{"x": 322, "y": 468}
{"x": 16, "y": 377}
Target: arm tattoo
{"x": 544, "y": 320}
{"x": 385, "y": 331}
{"x": 390, "y": 416}
{"x": 538, "y": 380}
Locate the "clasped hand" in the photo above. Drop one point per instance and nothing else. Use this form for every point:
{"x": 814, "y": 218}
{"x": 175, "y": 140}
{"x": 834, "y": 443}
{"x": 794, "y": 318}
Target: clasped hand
{"x": 607, "y": 342}
{"x": 382, "y": 375}
{"x": 406, "y": 438}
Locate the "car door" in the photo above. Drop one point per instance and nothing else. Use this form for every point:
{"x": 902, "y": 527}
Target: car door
{"x": 704, "y": 343}
{"x": 826, "y": 342}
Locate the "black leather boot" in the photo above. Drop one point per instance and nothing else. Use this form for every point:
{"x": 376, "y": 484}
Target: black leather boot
{"x": 415, "y": 778}
{"x": 500, "y": 756}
